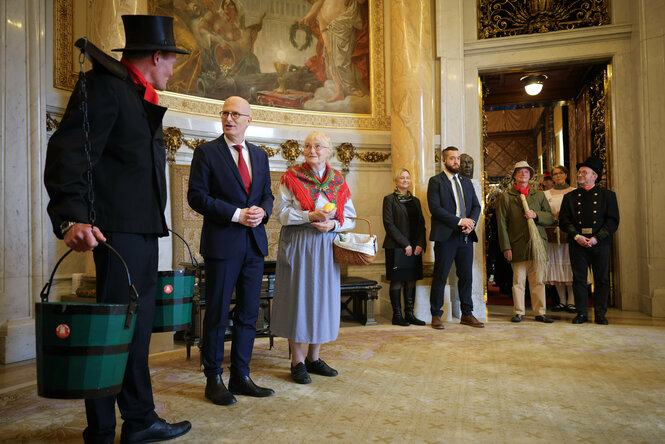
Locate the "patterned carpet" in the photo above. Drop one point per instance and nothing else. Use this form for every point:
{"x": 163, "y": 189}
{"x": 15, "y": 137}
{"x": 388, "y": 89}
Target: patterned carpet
{"x": 507, "y": 383}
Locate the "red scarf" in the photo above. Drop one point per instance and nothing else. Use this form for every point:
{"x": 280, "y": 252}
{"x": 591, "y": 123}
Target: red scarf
{"x": 306, "y": 187}
{"x": 524, "y": 191}
{"x": 150, "y": 93}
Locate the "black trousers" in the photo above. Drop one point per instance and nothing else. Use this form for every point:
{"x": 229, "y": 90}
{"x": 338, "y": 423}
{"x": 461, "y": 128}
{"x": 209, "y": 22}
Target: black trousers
{"x": 457, "y": 249}
{"x": 135, "y": 402}
{"x": 598, "y": 257}
{"x": 244, "y": 273}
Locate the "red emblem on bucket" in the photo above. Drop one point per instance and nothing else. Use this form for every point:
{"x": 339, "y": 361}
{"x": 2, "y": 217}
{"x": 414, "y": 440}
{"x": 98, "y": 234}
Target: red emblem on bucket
{"x": 62, "y": 331}
{"x": 168, "y": 289}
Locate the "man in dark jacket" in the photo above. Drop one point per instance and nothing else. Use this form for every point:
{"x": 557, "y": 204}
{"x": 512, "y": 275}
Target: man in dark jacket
{"x": 455, "y": 211}
{"x": 590, "y": 216}
{"x": 127, "y": 203}
{"x": 229, "y": 184}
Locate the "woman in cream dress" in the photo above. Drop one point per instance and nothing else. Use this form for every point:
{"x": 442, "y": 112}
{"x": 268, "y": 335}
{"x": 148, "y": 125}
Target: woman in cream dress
{"x": 559, "y": 271}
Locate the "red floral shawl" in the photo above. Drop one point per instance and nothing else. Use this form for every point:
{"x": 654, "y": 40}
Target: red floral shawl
{"x": 305, "y": 186}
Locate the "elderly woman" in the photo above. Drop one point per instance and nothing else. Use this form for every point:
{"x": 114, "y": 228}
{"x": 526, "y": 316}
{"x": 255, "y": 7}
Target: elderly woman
{"x": 405, "y": 241}
{"x": 514, "y": 239}
{"x": 559, "y": 271}
{"x": 315, "y": 204}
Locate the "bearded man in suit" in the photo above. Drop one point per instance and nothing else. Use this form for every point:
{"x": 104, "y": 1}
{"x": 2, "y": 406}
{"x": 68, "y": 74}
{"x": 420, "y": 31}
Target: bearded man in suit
{"x": 455, "y": 210}
{"x": 229, "y": 184}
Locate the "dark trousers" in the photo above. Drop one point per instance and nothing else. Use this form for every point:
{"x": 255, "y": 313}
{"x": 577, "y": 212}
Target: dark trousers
{"x": 456, "y": 249}
{"x": 598, "y": 257}
{"x": 243, "y": 272}
{"x": 135, "y": 402}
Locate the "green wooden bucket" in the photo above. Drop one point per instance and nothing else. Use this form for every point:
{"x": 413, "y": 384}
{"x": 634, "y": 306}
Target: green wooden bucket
{"x": 175, "y": 292}
{"x": 82, "y": 348}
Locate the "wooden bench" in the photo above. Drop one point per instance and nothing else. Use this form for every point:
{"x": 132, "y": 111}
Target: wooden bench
{"x": 358, "y": 296}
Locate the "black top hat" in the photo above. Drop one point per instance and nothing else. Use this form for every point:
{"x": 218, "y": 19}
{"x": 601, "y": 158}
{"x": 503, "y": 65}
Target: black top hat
{"x": 595, "y": 164}
{"x": 149, "y": 33}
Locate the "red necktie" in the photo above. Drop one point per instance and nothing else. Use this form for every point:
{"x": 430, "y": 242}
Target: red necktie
{"x": 242, "y": 167}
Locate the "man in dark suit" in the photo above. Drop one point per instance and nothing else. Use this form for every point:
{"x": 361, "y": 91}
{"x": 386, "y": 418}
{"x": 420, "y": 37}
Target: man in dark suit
{"x": 590, "y": 216}
{"x": 229, "y": 184}
{"x": 128, "y": 185}
{"x": 455, "y": 210}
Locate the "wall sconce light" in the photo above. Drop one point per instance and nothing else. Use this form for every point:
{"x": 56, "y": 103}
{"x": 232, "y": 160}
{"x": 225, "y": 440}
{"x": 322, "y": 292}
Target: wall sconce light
{"x": 533, "y": 84}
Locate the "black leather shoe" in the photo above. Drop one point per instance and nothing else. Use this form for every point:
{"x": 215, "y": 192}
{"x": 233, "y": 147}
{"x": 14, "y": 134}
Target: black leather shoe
{"x": 601, "y": 320}
{"x": 559, "y": 307}
{"x": 216, "y": 391}
{"x": 580, "y": 319}
{"x": 243, "y": 385}
{"x": 299, "y": 374}
{"x": 544, "y": 318}
{"x": 160, "y": 430}
{"x": 319, "y": 367}
{"x": 517, "y": 318}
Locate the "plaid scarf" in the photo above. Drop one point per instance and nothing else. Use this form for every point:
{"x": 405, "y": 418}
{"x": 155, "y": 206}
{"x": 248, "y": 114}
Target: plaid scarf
{"x": 306, "y": 187}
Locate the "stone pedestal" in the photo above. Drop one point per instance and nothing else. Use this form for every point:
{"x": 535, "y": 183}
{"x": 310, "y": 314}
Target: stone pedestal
{"x": 17, "y": 340}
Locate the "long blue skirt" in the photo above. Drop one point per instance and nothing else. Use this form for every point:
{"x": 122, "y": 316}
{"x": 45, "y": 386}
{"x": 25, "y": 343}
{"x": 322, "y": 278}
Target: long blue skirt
{"x": 306, "y": 304}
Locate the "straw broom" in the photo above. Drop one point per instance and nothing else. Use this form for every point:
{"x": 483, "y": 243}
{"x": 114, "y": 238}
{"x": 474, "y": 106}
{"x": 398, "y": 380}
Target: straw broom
{"x": 538, "y": 252}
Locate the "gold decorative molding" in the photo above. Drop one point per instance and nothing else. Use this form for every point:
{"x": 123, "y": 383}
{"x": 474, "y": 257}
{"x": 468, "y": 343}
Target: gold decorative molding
{"x": 345, "y": 153}
{"x": 502, "y": 18}
{"x": 290, "y": 151}
{"x": 193, "y": 143}
{"x": 270, "y": 151}
{"x": 373, "y": 156}
{"x": 51, "y": 122}
{"x": 65, "y": 78}
{"x": 599, "y": 127}
{"x": 173, "y": 140}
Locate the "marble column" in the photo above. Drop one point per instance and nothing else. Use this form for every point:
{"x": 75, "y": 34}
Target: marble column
{"x": 22, "y": 138}
{"x": 412, "y": 92}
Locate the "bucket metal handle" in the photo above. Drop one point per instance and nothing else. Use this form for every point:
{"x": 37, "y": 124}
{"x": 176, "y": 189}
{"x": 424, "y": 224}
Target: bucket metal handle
{"x": 133, "y": 294}
{"x": 194, "y": 261}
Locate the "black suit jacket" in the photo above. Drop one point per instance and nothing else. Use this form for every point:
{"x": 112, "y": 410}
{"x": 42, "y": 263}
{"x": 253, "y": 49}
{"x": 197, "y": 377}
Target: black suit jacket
{"x": 127, "y": 153}
{"x": 596, "y": 209}
{"x": 442, "y": 205}
{"x": 216, "y": 190}
{"x": 396, "y": 223}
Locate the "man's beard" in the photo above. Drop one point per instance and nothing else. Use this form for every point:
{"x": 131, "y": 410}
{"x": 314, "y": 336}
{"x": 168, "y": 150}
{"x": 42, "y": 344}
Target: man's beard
{"x": 452, "y": 169}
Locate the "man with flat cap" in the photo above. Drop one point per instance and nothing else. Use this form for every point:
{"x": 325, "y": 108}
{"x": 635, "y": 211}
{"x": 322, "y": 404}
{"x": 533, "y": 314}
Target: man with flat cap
{"x": 128, "y": 199}
{"x": 590, "y": 216}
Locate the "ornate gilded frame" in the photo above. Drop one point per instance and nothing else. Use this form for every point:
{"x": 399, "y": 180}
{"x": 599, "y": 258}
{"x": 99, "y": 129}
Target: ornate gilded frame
{"x": 65, "y": 78}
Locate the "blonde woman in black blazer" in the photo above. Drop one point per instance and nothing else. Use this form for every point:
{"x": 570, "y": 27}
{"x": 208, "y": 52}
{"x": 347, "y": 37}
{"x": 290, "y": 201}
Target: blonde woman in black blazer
{"x": 404, "y": 244}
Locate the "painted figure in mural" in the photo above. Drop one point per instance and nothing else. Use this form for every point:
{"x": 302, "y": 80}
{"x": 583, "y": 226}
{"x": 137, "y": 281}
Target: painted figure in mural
{"x": 231, "y": 43}
{"x": 340, "y": 22}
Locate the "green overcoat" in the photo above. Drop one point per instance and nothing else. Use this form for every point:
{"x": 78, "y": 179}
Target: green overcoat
{"x": 513, "y": 227}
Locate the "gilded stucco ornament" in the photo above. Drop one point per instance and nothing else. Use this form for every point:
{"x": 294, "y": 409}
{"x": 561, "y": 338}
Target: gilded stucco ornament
{"x": 345, "y": 153}
{"x": 372, "y": 156}
{"x": 290, "y": 151}
{"x": 270, "y": 151}
{"x": 173, "y": 140}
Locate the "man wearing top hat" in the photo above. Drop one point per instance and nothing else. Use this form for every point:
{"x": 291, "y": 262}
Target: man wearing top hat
{"x": 590, "y": 215}
{"x": 128, "y": 199}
